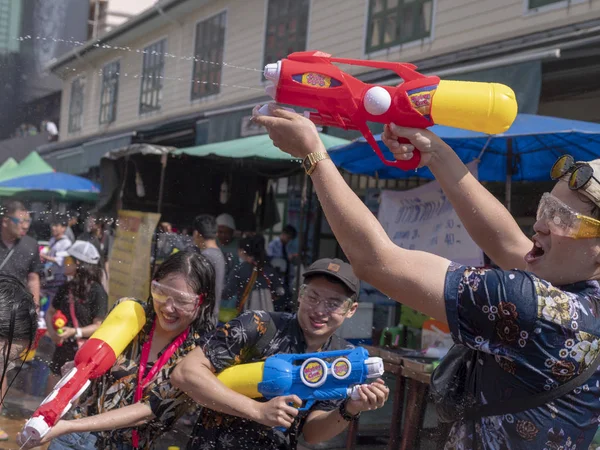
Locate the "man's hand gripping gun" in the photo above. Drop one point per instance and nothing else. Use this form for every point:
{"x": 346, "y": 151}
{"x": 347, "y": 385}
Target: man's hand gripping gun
{"x": 332, "y": 375}
{"x": 311, "y": 80}
{"x": 93, "y": 360}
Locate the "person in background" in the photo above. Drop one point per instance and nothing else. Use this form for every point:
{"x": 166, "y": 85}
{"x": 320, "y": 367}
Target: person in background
{"x": 205, "y": 240}
{"x": 50, "y": 127}
{"x": 230, "y": 420}
{"x": 18, "y": 326}
{"x": 54, "y": 274}
{"x": 73, "y": 217}
{"x": 19, "y": 253}
{"x": 282, "y": 259}
{"x": 227, "y": 242}
{"x": 254, "y": 283}
{"x": 82, "y": 300}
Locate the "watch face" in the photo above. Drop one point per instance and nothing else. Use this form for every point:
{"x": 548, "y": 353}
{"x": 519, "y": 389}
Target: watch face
{"x": 306, "y": 163}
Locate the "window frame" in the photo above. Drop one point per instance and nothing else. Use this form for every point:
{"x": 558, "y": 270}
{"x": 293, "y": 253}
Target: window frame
{"x": 109, "y": 109}
{"x": 559, "y": 4}
{"x": 398, "y": 41}
{"x": 267, "y": 60}
{"x": 144, "y": 108}
{"x": 72, "y": 126}
{"x": 196, "y": 97}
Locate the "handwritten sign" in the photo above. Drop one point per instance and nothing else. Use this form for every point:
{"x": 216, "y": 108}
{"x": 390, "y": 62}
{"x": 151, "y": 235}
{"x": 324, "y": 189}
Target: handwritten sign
{"x": 424, "y": 219}
{"x": 130, "y": 257}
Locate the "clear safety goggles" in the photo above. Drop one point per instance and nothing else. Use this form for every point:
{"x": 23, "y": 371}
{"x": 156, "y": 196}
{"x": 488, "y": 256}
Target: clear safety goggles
{"x": 333, "y": 302}
{"x": 182, "y": 301}
{"x": 564, "y": 221}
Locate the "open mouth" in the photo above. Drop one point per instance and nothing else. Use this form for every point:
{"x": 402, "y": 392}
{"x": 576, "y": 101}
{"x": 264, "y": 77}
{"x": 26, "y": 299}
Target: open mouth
{"x": 169, "y": 319}
{"x": 317, "y": 323}
{"x": 536, "y": 253}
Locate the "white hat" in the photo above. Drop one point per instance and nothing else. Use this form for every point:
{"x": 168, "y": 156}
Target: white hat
{"x": 226, "y": 220}
{"x": 84, "y": 251}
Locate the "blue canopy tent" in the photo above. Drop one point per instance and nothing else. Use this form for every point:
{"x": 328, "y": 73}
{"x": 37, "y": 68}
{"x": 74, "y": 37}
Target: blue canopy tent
{"x": 53, "y": 184}
{"x": 525, "y": 152}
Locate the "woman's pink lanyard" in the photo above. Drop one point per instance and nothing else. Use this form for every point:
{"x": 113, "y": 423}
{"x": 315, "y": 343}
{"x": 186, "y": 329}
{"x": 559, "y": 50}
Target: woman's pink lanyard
{"x": 142, "y": 382}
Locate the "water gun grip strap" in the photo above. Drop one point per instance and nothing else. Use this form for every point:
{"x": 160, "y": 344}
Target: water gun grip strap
{"x": 411, "y": 164}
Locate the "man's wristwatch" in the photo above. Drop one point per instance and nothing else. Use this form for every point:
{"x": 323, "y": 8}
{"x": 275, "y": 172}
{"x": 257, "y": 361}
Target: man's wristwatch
{"x": 345, "y": 414}
{"x": 311, "y": 160}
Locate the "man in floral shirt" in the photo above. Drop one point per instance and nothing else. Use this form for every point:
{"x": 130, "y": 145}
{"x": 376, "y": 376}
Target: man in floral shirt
{"x": 230, "y": 421}
{"x": 530, "y": 335}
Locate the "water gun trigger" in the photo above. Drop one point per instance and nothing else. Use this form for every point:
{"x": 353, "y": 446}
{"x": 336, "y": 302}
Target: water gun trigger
{"x": 411, "y": 164}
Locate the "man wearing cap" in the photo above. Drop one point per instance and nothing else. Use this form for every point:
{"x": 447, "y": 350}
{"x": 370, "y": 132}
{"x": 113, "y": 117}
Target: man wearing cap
{"x": 527, "y": 334}
{"x": 328, "y": 296}
{"x": 54, "y": 275}
{"x": 227, "y": 242}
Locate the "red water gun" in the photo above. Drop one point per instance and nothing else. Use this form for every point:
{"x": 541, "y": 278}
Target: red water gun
{"x": 311, "y": 80}
{"x": 93, "y": 359}
{"x": 59, "y": 322}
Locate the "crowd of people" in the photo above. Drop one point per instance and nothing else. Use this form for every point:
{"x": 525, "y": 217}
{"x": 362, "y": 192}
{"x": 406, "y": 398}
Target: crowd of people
{"x": 531, "y": 325}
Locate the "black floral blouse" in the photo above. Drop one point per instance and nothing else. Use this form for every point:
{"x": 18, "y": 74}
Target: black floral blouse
{"x": 116, "y": 389}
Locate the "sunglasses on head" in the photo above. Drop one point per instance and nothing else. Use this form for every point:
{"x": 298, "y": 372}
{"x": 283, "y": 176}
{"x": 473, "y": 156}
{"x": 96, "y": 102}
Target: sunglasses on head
{"x": 580, "y": 173}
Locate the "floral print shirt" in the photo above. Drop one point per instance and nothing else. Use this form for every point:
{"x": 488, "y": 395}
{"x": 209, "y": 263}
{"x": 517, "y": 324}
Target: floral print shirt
{"x": 234, "y": 343}
{"x": 116, "y": 389}
{"x": 530, "y": 336}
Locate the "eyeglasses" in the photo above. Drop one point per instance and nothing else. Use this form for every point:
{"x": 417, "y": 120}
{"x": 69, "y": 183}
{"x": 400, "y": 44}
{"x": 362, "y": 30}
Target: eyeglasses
{"x": 182, "y": 301}
{"x": 563, "y": 221}
{"x": 18, "y": 221}
{"x": 333, "y": 302}
{"x": 580, "y": 172}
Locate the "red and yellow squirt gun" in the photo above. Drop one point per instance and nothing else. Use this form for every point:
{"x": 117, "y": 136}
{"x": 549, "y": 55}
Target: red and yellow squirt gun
{"x": 312, "y": 80}
{"x": 92, "y": 360}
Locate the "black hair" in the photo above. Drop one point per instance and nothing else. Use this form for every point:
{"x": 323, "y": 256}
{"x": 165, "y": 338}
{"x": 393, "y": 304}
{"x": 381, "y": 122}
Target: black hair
{"x": 11, "y": 207}
{"x": 18, "y": 318}
{"x": 290, "y": 230}
{"x": 254, "y": 246}
{"x": 59, "y": 219}
{"x": 206, "y": 226}
{"x": 333, "y": 280}
{"x": 200, "y": 276}
{"x": 85, "y": 276}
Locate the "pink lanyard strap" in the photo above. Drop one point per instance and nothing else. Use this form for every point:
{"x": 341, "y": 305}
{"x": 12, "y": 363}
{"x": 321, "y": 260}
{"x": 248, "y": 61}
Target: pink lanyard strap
{"x": 142, "y": 382}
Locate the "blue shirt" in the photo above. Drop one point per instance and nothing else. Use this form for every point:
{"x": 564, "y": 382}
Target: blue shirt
{"x": 531, "y": 336}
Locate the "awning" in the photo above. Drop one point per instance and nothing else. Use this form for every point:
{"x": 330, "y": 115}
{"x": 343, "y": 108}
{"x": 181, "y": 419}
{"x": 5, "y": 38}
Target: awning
{"x": 255, "y": 147}
{"x": 81, "y": 158}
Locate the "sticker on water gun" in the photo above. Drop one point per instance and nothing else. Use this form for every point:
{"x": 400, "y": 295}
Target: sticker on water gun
{"x": 341, "y": 368}
{"x": 421, "y": 99}
{"x": 313, "y": 372}
{"x": 316, "y": 80}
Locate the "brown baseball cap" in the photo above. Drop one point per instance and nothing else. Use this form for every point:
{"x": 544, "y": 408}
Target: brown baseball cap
{"x": 335, "y": 268}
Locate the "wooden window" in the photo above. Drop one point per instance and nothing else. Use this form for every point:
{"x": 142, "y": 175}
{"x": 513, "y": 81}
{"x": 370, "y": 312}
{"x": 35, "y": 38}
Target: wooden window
{"x": 287, "y": 24}
{"x": 76, "y": 105}
{"x": 208, "y": 62}
{"x": 395, "y": 22}
{"x": 153, "y": 70}
{"x": 110, "y": 92}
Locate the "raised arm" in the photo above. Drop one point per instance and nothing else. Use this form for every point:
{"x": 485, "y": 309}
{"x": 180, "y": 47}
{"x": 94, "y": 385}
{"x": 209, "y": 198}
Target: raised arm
{"x": 488, "y": 222}
{"x": 411, "y": 277}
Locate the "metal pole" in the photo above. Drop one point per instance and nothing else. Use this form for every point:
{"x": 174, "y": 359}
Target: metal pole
{"x": 509, "y": 174}
{"x": 163, "y": 168}
{"x": 301, "y": 239}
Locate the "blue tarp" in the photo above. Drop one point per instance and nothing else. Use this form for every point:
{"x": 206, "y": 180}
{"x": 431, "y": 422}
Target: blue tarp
{"x": 537, "y": 141}
{"x": 54, "y": 183}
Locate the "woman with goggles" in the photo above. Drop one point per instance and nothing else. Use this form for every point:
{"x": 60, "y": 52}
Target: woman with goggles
{"x": 520, "y": 333}
{"x": 134, "y": 403}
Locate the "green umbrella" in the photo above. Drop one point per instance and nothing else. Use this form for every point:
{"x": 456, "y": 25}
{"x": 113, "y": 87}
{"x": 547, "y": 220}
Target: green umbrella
{"x": 7, "y": 167}
{"x": 32, "y": 165}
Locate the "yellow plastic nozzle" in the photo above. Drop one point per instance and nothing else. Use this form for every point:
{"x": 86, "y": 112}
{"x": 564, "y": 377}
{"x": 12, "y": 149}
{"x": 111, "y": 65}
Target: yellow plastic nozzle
{"x": 485, "y": 107}
{"x": 123, "y": 323}
{"x": 243, "y": 378}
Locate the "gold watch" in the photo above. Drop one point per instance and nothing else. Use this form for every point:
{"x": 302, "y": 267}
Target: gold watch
{"x": 311, "y": 160}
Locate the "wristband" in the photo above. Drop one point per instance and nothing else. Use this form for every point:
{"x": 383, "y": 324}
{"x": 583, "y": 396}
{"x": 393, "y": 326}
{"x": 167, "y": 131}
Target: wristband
{"x": 78, "y": 333}
{"x": 346, "y": 415}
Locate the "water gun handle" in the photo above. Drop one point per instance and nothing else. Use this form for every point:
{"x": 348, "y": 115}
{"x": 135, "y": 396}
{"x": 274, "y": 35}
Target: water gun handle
{"x": 307, "y": 405}
{"x": 410, "y": 164}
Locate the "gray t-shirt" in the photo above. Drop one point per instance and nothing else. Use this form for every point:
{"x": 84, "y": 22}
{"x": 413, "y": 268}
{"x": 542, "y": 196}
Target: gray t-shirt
{"x": 215, "y": 256}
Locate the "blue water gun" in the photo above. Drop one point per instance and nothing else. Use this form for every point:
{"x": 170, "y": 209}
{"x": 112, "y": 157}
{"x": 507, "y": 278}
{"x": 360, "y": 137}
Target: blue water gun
{"x": 332, "y": 375}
